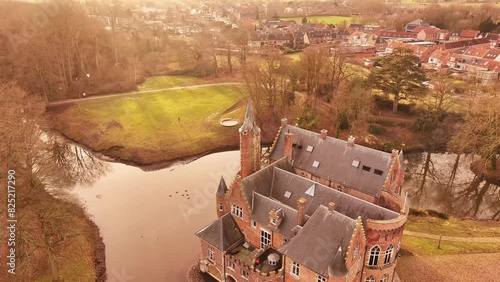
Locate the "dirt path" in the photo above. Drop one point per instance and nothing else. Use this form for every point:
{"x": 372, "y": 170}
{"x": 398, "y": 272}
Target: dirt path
{"x": 454, "y": 239}
{"x": 69, "y": 101}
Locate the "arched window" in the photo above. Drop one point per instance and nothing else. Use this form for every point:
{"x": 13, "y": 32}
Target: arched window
{"x": 374, "y": 254}
{"x": 388, "y": 254}
{"x": 385, "y": 278}
{"x": 370, "y": 279}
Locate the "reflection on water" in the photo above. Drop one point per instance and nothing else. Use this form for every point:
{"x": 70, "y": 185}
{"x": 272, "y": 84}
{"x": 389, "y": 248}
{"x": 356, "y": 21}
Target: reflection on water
{"x": 444, "y": 182}
{"x": 148, "y": 219}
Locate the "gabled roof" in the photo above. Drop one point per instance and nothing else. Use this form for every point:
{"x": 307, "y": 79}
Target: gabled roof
{"x": 469, "y": 33}
{"x": 260, "y": 213}
{"x": 336, "y": 159}
{"x": 223, "y": 233}
{"x": 325, "y": 232}
{"x": 464, "y": 43}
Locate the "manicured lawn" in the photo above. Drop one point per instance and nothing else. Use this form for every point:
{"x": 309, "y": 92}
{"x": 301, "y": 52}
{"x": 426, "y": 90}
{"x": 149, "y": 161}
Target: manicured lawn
{"x": 146, "y": 129}
{"x": 166, "y": 81}
{"x": 423, "y": 246}
{"x": 453, "y": 227}
{"x": 324, "y": 19}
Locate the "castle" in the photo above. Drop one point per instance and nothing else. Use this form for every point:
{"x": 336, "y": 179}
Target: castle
{"x": 323, "y": 210}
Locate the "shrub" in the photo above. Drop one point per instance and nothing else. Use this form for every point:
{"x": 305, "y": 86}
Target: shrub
{"x": 417, "y": 212}
{"x": 376, "y": 129}
{"x": 437, "y": 214}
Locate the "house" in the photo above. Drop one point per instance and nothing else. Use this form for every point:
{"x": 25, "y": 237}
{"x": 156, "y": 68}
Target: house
{"x": 469, "y": 34}
{"x": 324, "y": 210}
{"x": 389, "y": 34}
{"x": 421, "y": 51}
{"x": 480, "y": 42}
{"x": 426, "y": 33}
{"x": 414, "y": 24}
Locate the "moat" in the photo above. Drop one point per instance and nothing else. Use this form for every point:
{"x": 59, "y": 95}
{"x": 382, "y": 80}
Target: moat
{"x": 148, "y": 219}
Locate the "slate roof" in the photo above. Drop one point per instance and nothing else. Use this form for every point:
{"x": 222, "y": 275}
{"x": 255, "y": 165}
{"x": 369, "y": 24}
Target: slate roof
{"x": 260, "y": 213}
{"x": 222, "y": 189}
{"x": 335, "y": 160}
{"x": 249, "y": 122}
{"x": 324, "y": 233}
{"x": 350, "y": 206}
{"x": 222, "y": 233}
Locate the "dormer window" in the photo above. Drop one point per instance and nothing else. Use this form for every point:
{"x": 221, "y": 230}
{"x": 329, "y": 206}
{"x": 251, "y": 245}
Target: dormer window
{"x": 315, "y": 164}
{"x": 355, "y": 163}
{"x": 310, "y": 149}
{"x": 378, "y": 172}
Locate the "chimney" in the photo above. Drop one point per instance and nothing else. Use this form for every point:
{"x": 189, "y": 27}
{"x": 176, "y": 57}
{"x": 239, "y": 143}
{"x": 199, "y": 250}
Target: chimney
{"x": 301, "y": 211}
{"x": 323, "y": 134}
{"x": 287, "y": 146}
{"x": 350, "y": 141}
{"x": 284, "y": 122}
{"x": 275, "y": 217}
{"x": 331, "y": 206}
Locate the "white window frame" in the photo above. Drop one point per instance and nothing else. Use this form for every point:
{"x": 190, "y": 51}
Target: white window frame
{"x": 385, "y": 278}
{"x": 374, "y": 256}
{"x": 211, "y": 255}
{"x": 388, "y": 254}
{"x": 230, "y": 264}
{"x": 237, "y": 210}
{"x": 264, "y": 239}
{"x": 320, "y": 278}
{"x": 244, "y": 274}
{"x": 370, "y": 279}
{"x": 295, "y": 269}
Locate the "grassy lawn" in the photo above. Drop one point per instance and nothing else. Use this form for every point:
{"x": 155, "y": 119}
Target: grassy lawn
{"x": 423, "y": 246}
{"x": 294, "y": 56}
{"x": 453, "y": 227}
{"x": 145, "y": 128}
{"x": 166, "y": 81}
{"x": 324, "y": 19}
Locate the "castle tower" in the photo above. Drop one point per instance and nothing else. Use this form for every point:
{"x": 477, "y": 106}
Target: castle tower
{"x": 220, "y": 196}
{"x": 249, "y": 144}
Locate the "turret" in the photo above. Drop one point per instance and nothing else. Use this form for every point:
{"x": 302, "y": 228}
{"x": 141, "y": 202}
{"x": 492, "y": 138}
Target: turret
{"x": 219, "y": 197}
{"x": 250, "y": 149}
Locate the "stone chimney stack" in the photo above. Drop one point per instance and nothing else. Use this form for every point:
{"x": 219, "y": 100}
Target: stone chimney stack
{"x": 284, "y": 122}
{"x": 301, "y": 211}
{"x": 323, "y": 134}
{"x": 275, "y": 217}
{"x": 288, "y": 145}
{"x": 331, "y": 206}
{"x": 351, "y": 141}
{"x": 394, "y": 153}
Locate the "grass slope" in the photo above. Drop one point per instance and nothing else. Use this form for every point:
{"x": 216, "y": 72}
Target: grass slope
{"x": 453, "y": 227}
{"x": 145, "y": 129}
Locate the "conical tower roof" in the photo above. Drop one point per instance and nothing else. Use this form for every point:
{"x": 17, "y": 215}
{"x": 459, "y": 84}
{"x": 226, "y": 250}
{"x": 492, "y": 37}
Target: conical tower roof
{"x": 249, "y": 122}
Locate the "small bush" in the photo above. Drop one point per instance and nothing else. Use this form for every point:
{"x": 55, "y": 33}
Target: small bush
{"x": 437, "y": 214}
{"x": 376, "y": 129}
{"x": 417, "y": 212}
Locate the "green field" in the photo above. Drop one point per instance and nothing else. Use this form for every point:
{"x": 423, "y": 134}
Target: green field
{"x": 154, "y": 127}
{"x": 325, "y": 19}
{"x": 159, "y": 82}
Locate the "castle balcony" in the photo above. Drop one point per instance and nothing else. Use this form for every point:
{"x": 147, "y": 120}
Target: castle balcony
{"x": 266, "y": 262}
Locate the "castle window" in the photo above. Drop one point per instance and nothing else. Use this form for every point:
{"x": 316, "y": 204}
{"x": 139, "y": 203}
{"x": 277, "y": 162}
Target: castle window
{"x": 265, "y": 238}
{"x": 295, "y": 269}
{"x": 211, "y": 255}
{"x": 244, "y": 274}
{"x": 220, "y": 207}
{"x": 370, "y": 279}
{"x": 366, "y": 168}
{"x": 237, "y": 211}
{"x": 378, "y": 172}
{"x": 356, "y": 252}
{"x": 385, "y": 278}
{"x": 254, "y": 224}
{"x": 374, "y": 254}
{"x": 388, "y": 254}
{"x": 320, "y": 278}
{"x": 230, "y": 264}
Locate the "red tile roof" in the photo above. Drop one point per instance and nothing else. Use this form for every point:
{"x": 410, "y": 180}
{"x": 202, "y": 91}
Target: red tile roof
{"x": 469, "y": 33}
